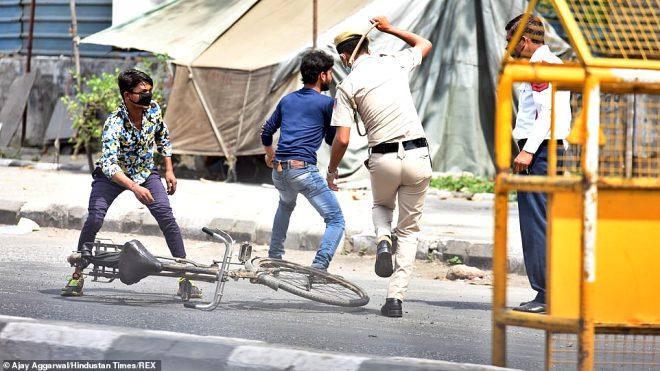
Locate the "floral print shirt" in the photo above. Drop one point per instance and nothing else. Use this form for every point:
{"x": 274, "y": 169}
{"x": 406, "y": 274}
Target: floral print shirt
{"x": 131, "y": 151}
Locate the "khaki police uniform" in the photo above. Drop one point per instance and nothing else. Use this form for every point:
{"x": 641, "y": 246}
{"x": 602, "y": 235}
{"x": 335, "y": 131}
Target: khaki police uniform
{"x": 399, "y": 163}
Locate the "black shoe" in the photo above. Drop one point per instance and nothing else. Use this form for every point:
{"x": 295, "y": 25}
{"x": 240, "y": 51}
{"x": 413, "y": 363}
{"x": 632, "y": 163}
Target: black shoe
{"x": 531, "y": 307}
{"x": 537, "y": 299}
{"x": 391, "y": 308}
{"x": 383, "y": 266}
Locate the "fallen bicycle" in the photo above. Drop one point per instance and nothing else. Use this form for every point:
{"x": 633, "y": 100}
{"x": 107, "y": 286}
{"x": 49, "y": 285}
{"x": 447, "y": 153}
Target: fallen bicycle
{"x": 132, "y": 262}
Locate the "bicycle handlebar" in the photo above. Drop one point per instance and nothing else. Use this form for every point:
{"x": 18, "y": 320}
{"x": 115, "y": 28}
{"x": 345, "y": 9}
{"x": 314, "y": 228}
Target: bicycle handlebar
{"x": 225, "y": 238}
{"x": 219, "y": 234}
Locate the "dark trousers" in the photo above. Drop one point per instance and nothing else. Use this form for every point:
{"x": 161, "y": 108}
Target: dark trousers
{"x": 533, "y": 223}
{"x": 105, "y": 191}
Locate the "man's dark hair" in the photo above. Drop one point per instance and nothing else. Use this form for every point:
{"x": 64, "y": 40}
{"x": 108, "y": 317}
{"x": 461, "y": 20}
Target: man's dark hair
{"x": 130, "y": 78}
{"x": 313, "y": 63}
{"x": 533, "y": 30}
{"x": 349, "y": 45}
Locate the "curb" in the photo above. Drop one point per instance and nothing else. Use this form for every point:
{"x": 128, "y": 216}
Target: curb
{"x": 476, "y": 254}
{"x": 10, "y": 211}
{"x": 25, "y": 338}
{"x": 141, "y": 222}
{"x": 42, "y": 165}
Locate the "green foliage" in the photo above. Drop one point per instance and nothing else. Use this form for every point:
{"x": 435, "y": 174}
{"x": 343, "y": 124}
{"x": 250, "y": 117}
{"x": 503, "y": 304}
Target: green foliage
{"x": 463, "y": 183}
{"x": 13, "y": 155}
{"x": 97, "y": 96}
{"x": 455, "y": 261}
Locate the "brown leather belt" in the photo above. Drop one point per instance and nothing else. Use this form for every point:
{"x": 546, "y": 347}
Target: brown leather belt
{"x": 291, "y": 164}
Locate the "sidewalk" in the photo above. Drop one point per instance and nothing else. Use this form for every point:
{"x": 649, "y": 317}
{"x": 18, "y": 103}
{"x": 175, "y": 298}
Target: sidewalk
{"x": 451, "y": 227}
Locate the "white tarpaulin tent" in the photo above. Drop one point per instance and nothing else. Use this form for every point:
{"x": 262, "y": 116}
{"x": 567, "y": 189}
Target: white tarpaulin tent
{"x": 223, "y": 91}
{"x": 180, "y": 29}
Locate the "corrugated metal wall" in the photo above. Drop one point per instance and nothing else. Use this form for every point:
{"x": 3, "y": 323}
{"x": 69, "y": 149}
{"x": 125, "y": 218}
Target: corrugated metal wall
{"x": 51, "y": 27}
{"x": 10, "y": 26}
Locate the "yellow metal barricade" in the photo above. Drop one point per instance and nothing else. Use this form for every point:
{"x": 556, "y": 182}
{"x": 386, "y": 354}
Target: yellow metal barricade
{"x": 603, "y": 237}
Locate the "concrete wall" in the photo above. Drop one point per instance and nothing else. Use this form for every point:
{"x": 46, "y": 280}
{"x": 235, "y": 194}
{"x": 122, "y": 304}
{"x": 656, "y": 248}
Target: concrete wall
{"x": 53, "y": 81}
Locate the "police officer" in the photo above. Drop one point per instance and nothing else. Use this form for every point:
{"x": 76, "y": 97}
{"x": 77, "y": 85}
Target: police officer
{"x": 399, "y": 165}
{"x": 532, "y": 133}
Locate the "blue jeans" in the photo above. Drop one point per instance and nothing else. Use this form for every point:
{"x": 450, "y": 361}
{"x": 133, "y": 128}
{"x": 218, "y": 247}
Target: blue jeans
{"x": 311, "y": 184}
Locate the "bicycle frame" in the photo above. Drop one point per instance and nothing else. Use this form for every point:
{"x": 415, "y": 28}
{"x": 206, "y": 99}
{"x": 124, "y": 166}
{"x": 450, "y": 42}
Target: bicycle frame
{"x": 132, "y": 262}
{"x": 174, "y": 267}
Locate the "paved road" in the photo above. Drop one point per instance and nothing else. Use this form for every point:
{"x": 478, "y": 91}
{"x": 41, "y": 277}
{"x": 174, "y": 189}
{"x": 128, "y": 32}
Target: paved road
{"x": 443, "y": 320}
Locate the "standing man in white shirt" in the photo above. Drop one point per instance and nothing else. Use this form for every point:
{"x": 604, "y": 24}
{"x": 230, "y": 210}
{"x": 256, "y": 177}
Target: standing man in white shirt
{"x": 399, "y": 165}
{"x": 532, "y": 133}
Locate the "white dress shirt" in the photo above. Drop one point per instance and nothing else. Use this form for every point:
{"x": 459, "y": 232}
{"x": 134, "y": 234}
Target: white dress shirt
{"x": 534, "y": 108}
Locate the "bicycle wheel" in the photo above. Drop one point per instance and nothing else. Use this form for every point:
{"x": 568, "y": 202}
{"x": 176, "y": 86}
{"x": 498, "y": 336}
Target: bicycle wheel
{"x": 309, "y": 283}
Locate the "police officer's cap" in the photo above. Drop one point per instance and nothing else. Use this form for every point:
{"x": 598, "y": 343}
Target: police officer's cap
{"x": 346, "y": 36}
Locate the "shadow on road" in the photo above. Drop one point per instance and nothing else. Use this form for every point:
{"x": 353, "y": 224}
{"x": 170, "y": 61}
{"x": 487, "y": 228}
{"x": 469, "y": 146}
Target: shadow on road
{"x": 111, "y": 296}
{"x": 296, "y": 306}
{"x": 455, "y": 304}
{"x": 118, "y": 297}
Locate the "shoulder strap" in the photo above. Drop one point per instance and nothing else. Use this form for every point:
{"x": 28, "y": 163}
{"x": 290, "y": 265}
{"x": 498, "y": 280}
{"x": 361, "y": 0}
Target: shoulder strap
{"x": 351, "y": 99}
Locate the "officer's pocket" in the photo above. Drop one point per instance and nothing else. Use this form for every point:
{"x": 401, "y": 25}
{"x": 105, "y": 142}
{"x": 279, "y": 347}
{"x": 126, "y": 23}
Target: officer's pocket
{"x": 424, "y": 167}
{"x": 373, "y": 161}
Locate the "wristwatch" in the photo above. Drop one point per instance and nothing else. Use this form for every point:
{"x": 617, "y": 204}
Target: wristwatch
{"x": 333, "y": 173}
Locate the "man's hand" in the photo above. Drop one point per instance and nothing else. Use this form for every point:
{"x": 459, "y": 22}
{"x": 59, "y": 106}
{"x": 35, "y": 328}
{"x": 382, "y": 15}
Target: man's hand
{"x": 170, "y": 180}
{"x": 330, "y": 178}
{"x": 522, "y": 161}
{"x": 142, "y": 194}
{"x": 269, "y": 160}
{"x": 270, "y": 156}
{"x": 382, "y": 24}
{"x": 416, "y": 41}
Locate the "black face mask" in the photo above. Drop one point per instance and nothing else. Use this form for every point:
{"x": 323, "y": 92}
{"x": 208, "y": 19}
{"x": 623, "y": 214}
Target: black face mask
{"x": 145, "y": 99}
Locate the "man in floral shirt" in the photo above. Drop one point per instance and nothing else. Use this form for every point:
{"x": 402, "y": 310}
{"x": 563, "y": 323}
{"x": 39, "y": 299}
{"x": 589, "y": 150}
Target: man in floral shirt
{"x": 127, "y": 162}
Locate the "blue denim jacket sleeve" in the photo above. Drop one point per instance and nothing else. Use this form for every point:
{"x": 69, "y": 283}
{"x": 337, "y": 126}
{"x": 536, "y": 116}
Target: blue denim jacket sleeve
{"x": 162, "y": 135}
{"x": 270, "y": 126}
{"x": 110, "y": 146}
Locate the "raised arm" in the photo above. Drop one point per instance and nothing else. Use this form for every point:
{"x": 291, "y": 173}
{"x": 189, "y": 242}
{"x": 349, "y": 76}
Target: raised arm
{"x": 414, "y": 40}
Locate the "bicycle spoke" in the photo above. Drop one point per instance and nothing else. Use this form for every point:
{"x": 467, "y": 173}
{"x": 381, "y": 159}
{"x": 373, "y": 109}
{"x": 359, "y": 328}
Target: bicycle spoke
{"x": 313, "y": 284}
{"x": 318, "y": 283}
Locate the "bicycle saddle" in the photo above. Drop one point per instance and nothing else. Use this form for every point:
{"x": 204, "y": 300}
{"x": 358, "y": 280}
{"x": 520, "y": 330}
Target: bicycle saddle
{"x": 136, "y": 262}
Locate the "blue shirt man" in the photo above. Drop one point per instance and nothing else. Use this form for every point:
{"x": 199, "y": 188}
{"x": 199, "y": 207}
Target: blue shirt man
{"x": 303, "y": 118}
